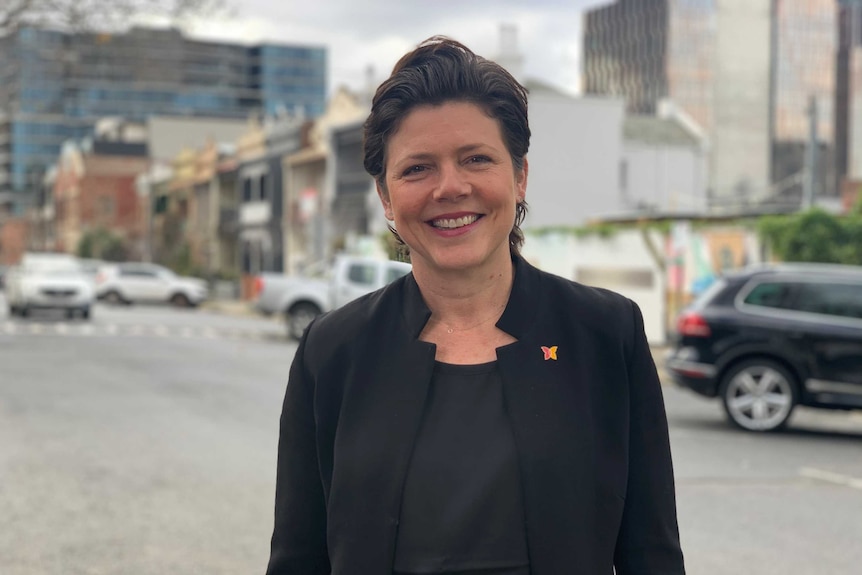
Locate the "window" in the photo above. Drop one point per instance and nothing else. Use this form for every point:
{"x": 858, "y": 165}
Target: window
{"x": 842, "y": 300}
{"x": 361, "y": 274}
{"x": 105, "y": 207}
{"x": 775, "y": 295}
{"x": 263, "y": 187}
{"x": 246, "y": 190}
{"x": 137, "y": 272}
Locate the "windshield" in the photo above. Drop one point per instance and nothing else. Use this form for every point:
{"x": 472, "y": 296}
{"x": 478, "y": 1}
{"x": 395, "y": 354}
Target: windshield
{"x": 53, "y": 268}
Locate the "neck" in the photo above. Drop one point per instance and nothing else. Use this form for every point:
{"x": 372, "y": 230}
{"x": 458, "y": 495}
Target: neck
{"x": 466, "y": 299}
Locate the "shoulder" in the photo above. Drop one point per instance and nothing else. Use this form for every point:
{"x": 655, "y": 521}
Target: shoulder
{"x": 589, "y": 303}
{"x": 356, "y": 321}
{"x": 589, "y": 313}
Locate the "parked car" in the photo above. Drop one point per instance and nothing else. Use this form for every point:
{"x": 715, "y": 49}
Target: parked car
{"x": 48, "y": 281}
{"x": 301, "y": 298}
{"x": 91, "y": 267}
{"x": 767, "y": 339}
{"x": 127, "y": 283}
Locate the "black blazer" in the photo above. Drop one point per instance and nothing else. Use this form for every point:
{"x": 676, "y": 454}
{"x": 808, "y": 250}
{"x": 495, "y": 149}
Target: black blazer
{"x": 589, "y": 427}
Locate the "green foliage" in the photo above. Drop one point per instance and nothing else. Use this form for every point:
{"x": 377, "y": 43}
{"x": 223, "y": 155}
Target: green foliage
{"x": 394, "y": 250}
{"x": 180, "y": 261}
{"x": 815, "y": 236}
{"x": 104, "y": 245}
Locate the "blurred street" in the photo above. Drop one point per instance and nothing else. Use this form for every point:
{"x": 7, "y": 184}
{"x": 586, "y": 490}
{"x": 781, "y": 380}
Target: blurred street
{"x": 145, "y": 441}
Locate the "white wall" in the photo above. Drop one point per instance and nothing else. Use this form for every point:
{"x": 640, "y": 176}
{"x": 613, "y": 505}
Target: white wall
{"x": 574, "y": 159}
{"x": 671, "y": 179}
{"x": 621, "y": 263}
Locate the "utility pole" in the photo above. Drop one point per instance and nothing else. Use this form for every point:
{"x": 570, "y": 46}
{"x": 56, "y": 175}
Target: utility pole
{"x": 810, "y": 181}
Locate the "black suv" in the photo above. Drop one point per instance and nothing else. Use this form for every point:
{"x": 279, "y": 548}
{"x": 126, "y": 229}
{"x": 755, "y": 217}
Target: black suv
{"x": 769, "y": 338}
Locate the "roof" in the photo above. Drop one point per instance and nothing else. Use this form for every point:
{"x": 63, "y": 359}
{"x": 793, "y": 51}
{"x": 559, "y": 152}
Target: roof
{"x": 797, "y": 269}
{"x": 657, "y": 131}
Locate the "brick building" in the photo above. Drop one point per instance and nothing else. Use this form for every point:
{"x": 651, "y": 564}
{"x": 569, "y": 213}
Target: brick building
{"x": 95, "y": 190}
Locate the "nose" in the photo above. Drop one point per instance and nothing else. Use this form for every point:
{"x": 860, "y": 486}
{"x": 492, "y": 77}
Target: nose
{"x": 452, "y": 185}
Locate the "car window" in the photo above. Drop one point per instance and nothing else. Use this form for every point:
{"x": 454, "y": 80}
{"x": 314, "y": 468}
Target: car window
{"x": 361, "y": 274}
{"x": 843, "y": 300}
{"x": 135, "y": 272}
{"x": 770, "y": 294}
{"x": 393, "y": 273}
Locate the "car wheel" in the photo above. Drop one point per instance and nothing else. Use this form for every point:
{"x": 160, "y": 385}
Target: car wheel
{"x": 114, "y": 298}
{"x": 299, "y": 317}
{"x": 180, "y": 300}
{"x": 759, "y": 395}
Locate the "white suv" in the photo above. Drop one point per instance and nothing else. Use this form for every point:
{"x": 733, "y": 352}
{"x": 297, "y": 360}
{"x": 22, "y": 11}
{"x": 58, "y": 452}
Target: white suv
{"x": 48, "y": 281}
{"x": 148, "y": 283}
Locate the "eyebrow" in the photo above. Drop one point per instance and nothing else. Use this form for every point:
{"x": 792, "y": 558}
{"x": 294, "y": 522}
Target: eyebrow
{"x": 427, "y": 156}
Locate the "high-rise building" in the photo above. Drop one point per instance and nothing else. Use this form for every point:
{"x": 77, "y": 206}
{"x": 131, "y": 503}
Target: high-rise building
{"x": 745, "y": 70}
{"x": 54, "y": 86}
{"x": 848, "y": 105}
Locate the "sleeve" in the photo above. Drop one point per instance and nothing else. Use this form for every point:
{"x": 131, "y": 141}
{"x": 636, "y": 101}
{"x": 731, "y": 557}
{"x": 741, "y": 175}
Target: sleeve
{"x": 648, "y": 540}
{"x": 299, "y": 535}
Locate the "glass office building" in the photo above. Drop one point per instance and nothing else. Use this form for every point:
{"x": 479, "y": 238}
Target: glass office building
{"x": 650, "y": 50}
{"x": 54, "y": 86}
{"x": 848, "y": 102}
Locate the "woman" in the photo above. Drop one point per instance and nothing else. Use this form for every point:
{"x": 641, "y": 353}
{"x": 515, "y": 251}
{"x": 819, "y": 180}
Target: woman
{"x": 478, "y": 415}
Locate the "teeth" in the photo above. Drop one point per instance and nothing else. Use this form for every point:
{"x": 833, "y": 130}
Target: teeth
{"x": 455, "y": 223}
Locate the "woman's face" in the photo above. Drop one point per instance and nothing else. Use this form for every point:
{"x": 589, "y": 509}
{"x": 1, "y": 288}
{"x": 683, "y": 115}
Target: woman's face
{"x": 451, "y": 188}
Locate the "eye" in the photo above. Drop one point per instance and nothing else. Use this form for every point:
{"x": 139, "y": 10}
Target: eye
{"x": 413, "y": 171}
{"x": 478, "y": 159}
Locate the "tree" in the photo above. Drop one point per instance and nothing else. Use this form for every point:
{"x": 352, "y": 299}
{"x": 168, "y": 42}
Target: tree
{"x": 97, "y": 15}
{"x": 815, "y": 236}
{"x": 103, "y": 244}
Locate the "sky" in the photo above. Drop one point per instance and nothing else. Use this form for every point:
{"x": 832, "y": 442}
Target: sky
{"x": 363, "y": 33}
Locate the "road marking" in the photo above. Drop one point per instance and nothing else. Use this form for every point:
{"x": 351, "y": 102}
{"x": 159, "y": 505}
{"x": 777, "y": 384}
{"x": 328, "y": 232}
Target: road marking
{"x": 67, "y": 329}
{"x": 831, "y": 477}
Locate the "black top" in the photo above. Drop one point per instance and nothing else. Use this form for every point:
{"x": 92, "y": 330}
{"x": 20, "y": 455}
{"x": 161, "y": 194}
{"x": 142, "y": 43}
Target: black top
{"x": 463, "y": 506}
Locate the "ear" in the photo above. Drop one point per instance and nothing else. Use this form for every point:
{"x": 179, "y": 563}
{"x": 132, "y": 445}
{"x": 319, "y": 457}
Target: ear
{"x": 521, "y": 181}
{"x": 384, "y": 200}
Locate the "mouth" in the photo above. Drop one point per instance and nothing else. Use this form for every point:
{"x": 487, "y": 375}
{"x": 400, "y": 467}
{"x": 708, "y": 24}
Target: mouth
{"x": 454, "y": 223}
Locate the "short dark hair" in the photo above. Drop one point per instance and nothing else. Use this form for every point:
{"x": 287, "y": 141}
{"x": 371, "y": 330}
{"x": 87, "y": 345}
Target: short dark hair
{"x": 443, "y": 70}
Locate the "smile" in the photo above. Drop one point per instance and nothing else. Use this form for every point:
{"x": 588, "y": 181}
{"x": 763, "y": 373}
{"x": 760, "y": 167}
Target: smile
{"x": 450, "y": 224}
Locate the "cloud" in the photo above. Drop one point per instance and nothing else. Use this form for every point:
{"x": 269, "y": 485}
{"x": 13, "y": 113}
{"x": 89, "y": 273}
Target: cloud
{"x": 376, "y": 32}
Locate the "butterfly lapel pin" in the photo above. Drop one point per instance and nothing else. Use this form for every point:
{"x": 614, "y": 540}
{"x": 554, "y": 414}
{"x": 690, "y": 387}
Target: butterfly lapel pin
{"x": 550, "y": 352}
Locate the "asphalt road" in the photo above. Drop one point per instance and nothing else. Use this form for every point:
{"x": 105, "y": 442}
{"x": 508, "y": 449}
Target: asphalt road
{"x": 144, "y": 442}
